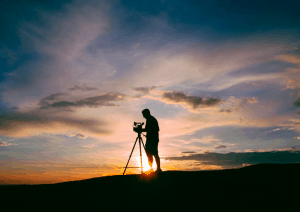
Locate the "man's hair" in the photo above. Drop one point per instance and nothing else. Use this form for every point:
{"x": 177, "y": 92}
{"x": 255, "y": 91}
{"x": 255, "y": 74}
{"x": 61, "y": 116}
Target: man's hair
{"x": 146, "y": 111}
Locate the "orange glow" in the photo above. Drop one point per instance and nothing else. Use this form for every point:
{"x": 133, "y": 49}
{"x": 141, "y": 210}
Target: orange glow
{"x": 31, "y": 173}
{"x": 146, "y": 166}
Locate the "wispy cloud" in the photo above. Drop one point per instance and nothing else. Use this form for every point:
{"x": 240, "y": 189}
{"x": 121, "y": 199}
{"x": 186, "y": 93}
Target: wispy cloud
{"x": 239, "y": 158}
{"x": 220, "y": 147}
{"x": 78, "y": 135}
{"x": 189, "y": 152}
{"x": 277, "y": 129}
{"x": 82, "y": 88}
{"x": 291, "y": 74}
{"x": 295, "y": 121}
{"x": 145, "y": 90}
{"x": 60, "y": 38}
{"x": 95, "y": 101}
{"x": 30, "y": 124}
{"x": 4, "y": 143}
{"x": 44, "y": 102}
{"x": 194, "y": 102}
{"x": 297, "y": 102}
{"x": 225, "y": 111}
{"x": 205, "y": 139}
{"x": 234, "y": 104}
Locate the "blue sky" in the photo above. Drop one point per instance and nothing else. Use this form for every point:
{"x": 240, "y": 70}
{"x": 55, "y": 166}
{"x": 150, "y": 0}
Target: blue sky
{"x": 221, "y": 77}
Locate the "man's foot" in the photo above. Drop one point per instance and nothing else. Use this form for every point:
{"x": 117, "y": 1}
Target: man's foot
{"x": 158, "y": 170}
{"x": 149, "y": 171}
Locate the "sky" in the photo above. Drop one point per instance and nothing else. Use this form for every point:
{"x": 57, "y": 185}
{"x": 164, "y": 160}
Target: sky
{"x": 221, "y": 77}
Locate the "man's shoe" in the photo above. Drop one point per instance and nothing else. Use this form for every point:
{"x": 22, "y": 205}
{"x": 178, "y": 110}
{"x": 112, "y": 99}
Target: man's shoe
{"x": 158, "y": 171}
{"x": 149, "y": 171}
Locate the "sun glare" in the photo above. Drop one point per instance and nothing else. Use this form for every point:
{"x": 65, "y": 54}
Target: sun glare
{"x": 146, "y": 166}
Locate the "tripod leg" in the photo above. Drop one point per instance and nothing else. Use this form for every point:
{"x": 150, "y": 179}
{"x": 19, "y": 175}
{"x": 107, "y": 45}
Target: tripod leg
{"x": 130, "y": 155}
{"x": 141, "y": 155}
{"x": 143, "y": 144}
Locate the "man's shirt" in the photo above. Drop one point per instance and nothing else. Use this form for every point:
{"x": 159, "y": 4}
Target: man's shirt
{"x": 152, "y": 129}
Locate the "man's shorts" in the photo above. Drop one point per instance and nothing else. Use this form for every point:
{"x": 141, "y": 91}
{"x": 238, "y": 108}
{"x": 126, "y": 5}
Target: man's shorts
{"x": 151, "y": 147}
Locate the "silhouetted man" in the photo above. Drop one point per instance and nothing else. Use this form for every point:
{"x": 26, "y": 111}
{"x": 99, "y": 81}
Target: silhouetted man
{"x": 152, "y": 138}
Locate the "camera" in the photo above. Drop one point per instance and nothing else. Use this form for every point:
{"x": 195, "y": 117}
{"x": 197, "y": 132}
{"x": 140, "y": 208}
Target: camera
{"x": 137, "y": 127}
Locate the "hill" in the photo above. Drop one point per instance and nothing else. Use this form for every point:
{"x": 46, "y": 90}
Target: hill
{"x": 268, "y": 185}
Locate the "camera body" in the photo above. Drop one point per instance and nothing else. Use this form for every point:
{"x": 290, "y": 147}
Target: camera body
{"x": 137, "y": 127}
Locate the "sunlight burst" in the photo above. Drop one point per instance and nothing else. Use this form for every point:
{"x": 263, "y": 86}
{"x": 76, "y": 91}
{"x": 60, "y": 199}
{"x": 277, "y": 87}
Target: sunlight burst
{"x": 146, "y": 166}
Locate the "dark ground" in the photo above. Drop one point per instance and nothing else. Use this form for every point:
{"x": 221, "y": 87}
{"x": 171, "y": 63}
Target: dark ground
{"x": 257, "y": 187}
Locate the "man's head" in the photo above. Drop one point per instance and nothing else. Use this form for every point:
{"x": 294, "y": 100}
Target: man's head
{"x": 146, "y": 113}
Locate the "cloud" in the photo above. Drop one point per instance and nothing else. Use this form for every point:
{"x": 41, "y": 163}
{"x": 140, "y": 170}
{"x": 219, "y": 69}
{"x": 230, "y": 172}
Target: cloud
{"x": 26, "y": 124}
{"x": 295, "y": 121}
{"x": 249, "y": 100}
{"x": 190, "y": 152}
{"x": 253, "y": 84}
{"x": 239, "y": 158}
{"x": 297, "y": 102}
{"x": 60, "y": 39}
{"x": 276, "y": 129}
{"x": 194, "y": 102}
{"x": 78, "y": 135}
{"x": 291, "y": 74}
{"x": 189, "y": 123}
{"x": 3, "y": 143}
{"x": 199, "y": 65}
{"x": 90, "y": 146}
{"x": 220, "y": 147}
{"x": 295, "y": 59}
{"x": 96, "y": 101}
{"x": 44, "y": 102}
{"x": 234, "y": 104}
{"x": 145, "y": 90}
{"x": 82, "y": 88}
{"x": 225, "y": 111}
{"x": 192, "y": 122}
{"x": 289, "y": 149}
{"x": 242, "y": 101}
{"x": 205, "y": 139}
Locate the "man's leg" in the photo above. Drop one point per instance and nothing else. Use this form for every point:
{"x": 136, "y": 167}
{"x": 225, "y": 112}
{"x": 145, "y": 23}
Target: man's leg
{"x": 150, "y": 159}
{"x": 157, "y": 159}
{"x": 148, "y": 149}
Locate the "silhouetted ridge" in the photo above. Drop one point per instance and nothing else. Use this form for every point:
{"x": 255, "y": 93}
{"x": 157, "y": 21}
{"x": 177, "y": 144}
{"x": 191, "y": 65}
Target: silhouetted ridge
{"x": 265, "y": 184}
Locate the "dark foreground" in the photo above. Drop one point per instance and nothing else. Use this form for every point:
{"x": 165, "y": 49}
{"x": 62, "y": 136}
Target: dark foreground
{"x": 257, "y": 187}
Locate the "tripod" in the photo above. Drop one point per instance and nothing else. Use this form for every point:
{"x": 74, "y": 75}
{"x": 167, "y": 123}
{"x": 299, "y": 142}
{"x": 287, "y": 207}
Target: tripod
{"x": 140, "y": 141}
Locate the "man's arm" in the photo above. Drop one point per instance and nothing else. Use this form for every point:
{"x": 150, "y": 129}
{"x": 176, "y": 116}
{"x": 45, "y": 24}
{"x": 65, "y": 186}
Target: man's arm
{"x": 146, "y": 128}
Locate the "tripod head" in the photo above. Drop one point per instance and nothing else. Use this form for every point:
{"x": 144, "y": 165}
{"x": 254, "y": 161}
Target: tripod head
{"x": 137, "y": 127}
